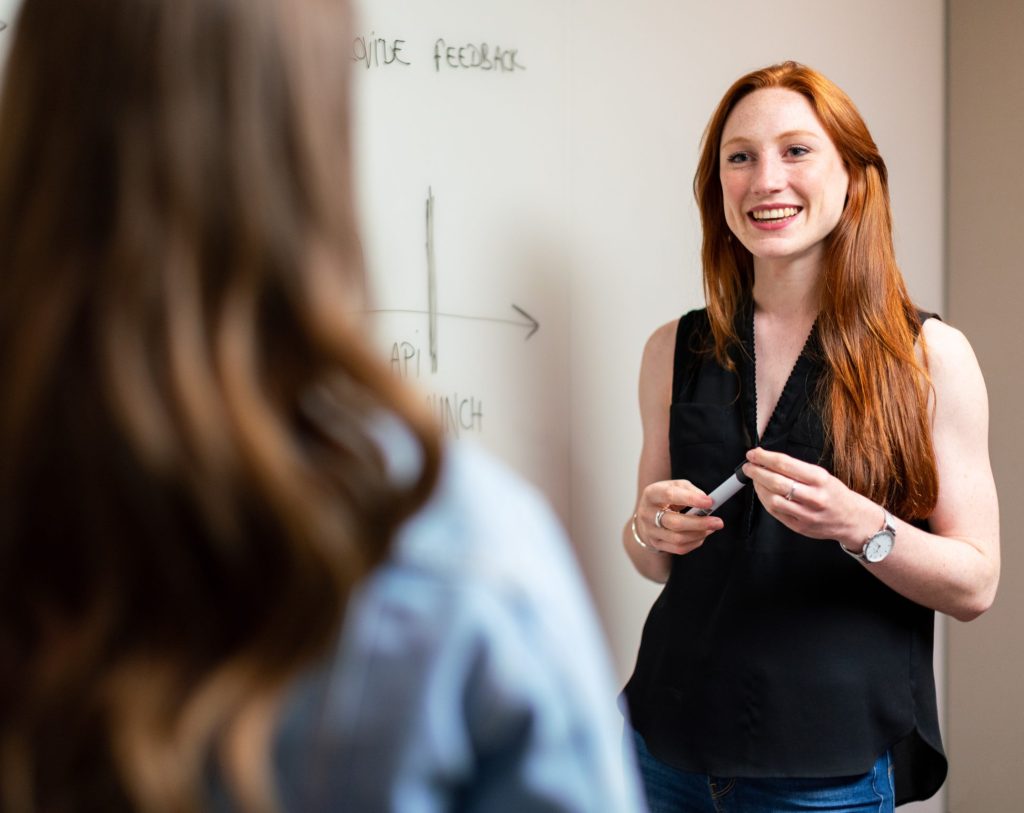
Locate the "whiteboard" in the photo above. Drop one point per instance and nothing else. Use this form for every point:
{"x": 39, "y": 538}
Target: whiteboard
{"x": 566, "y": 189}
{"x": 463, "y": 176}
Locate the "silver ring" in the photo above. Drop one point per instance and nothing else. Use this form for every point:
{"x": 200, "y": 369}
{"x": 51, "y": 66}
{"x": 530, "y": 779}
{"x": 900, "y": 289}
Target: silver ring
{"x": 792, "y": 491}
{"x": 657, "y": 519}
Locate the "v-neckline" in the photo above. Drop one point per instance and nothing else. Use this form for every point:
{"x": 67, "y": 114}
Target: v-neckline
{"x": 788, "y": 403}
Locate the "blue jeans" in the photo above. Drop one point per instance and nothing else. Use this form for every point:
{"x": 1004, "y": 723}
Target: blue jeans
{"x": 673, "y": 791}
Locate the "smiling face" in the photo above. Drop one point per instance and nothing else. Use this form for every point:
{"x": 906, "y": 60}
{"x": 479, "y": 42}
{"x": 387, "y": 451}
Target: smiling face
{"x": 783, "y": 181}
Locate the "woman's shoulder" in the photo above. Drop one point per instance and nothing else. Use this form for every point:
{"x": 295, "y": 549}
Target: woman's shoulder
{"x": 941, "y": 334}
{"x": 683, "y": 332}
{"x": 946, "y": 347}
{"x": 959, "y": 396}
{"x": 481, "y": 515}
{"x": 693, "y": 321}
{"x": 483, "y": 521}
{"x": 477, "y": 625}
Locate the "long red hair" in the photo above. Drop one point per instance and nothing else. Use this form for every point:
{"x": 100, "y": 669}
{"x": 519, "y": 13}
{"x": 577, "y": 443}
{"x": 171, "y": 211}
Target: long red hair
{"x": 874, "y": 396}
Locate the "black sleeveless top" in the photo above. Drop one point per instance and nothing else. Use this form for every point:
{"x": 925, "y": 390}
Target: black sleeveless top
{"x": 769, "y": 654}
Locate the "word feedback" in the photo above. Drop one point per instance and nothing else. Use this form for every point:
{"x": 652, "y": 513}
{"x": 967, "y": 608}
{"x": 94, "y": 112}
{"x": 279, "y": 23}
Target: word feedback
{"x": 375, "y": 52}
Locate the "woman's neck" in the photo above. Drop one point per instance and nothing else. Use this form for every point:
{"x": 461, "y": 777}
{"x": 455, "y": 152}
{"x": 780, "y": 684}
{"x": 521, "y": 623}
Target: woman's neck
{"x": 789, "y": 291}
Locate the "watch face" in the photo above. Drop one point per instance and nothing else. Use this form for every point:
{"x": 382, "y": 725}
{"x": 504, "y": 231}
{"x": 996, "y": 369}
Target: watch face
{"x": 878, "y": 546}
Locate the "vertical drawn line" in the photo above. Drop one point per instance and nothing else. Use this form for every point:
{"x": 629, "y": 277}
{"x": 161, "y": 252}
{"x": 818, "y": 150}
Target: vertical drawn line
{"x": 431, "y": 281}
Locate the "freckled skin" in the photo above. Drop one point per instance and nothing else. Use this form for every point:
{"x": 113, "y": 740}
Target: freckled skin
{"x": 775, "y": 154}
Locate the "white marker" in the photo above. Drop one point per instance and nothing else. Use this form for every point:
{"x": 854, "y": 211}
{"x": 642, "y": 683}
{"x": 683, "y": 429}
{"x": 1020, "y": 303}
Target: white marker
{"x": 723, "y": 492}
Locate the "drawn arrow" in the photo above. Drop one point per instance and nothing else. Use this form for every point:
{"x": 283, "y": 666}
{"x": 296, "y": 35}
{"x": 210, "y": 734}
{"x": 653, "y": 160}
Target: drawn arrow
{"x": 530, "y": 322}
{"x": 534, "y": 322}
{"x": 432, "y": 312}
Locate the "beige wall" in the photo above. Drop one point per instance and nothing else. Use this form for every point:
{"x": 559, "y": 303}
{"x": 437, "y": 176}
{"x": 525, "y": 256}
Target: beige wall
{"x": 986, "y": 301}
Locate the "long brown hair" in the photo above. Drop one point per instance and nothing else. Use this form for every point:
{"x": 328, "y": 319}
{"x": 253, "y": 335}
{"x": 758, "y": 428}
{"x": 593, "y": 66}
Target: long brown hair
{"x": 180, "y": 283}
{"x": 875, "y": 391}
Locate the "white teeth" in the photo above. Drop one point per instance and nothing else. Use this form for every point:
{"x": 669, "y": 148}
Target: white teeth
{"x": 775, "y": 214}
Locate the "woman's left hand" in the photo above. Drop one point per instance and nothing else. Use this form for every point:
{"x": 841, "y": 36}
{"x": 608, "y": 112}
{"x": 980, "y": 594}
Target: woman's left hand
{"x": 805, "y": 497}
{"x": 953, "y": 567}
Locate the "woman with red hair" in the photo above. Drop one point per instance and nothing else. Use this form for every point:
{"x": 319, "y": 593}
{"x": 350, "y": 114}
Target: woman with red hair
{"x": 787, "y": 664}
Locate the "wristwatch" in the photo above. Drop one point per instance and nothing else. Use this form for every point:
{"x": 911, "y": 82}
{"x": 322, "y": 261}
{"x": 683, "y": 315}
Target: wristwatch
{"x": 878, "y": 546}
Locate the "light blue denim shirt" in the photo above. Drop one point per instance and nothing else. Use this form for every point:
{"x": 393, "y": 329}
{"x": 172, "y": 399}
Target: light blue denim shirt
{"x": 471, "y": 674}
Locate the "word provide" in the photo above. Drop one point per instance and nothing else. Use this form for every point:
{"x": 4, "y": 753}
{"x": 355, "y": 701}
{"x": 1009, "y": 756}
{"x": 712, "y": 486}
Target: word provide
{"x": 376, "y": 52}
{"x": 482, "y": 57}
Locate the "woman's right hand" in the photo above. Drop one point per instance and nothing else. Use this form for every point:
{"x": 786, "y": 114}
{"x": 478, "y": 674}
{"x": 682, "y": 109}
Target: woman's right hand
{"x": 678, "y": 533}
{"x": 681, "y": 533}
